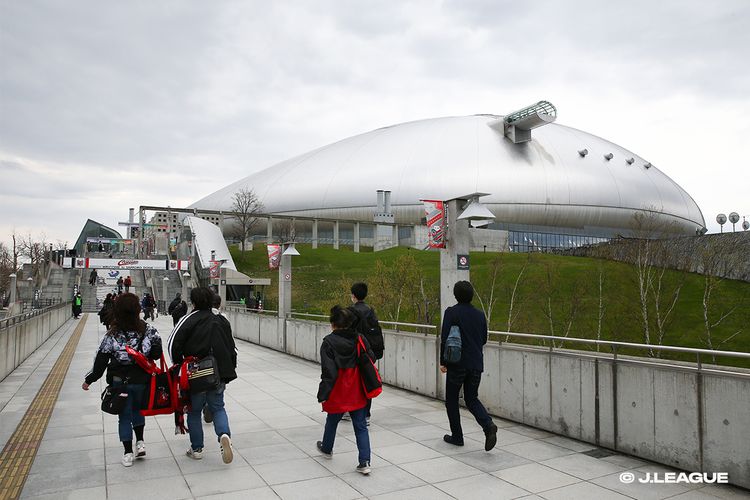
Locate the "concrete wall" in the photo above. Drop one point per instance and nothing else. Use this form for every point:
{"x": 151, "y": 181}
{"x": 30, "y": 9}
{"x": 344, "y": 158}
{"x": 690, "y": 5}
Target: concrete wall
{"x": 19, "y": 338}
{"x": 666, "y": 412}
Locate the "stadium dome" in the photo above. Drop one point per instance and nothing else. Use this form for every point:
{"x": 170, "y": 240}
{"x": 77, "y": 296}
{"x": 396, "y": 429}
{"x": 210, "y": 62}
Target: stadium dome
{"x": 563, "y": 180}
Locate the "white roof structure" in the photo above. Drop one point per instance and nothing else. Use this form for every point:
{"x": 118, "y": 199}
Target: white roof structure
{"x": 207, "y": 237}
{"x": 547, "y": 181}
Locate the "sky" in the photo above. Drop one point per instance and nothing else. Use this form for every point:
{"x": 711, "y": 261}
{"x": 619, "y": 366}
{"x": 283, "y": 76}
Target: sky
{"x": 106, "y": 105}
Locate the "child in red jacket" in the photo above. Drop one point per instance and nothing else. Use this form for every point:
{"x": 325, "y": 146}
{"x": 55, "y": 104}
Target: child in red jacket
{"x": 340, "y": 388}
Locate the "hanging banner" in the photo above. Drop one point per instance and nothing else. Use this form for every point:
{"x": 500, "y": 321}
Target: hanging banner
{"x": 434, "y": 212}
{"x": 214, "y": 268}
{"x": 274, "y": 256}
{"x": 159, "y": 264}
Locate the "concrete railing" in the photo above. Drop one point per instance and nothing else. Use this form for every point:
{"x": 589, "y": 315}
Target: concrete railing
{"x": 21, "y": 335}
{"x": 688, "y": 415}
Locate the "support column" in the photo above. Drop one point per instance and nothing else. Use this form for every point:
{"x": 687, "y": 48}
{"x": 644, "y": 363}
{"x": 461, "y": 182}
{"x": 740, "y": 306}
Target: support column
{"x": 394, "y": 237}
{"x": 269, "y": 230}
{"x": 285, "y": 286}
{"x": 12, "y": 298}
{"x": 356, "y": 236}
{"x": 457, "y": 244}
{"x": 315, "y": 234}
{"x": 336, "y": 235}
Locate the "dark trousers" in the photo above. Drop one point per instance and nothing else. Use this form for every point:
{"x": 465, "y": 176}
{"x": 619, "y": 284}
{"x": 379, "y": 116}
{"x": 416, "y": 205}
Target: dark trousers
{"x": 469, "y": 380}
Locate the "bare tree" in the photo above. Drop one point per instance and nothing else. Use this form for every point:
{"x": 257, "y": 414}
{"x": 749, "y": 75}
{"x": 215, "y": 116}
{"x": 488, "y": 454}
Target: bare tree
{"x": 712, "y": 264}
{"x": 601, "y": 309}
{"x": 512, "y": 315}
{"x": 35, "y": 250}
{"x": 487, "y": 307}
{"x": 245, "y": 206}
{"x": 284, "y": 230}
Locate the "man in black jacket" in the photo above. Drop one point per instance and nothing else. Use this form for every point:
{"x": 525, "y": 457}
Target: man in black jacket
{"x": 177, "y": 308}
{"x": 367, "y": 324}
{"x": 467, "y": 372}
{"x": 199, "y": 334}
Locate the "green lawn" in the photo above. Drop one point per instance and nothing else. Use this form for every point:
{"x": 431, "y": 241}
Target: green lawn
{"x": 554, "y": 295}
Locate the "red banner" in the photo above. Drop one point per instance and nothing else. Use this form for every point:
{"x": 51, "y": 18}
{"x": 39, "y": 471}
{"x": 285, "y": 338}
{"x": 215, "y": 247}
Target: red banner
{"x": 434, "y": 211}
{"x": 214, "y": 268}
{"x": 274, "y": 256}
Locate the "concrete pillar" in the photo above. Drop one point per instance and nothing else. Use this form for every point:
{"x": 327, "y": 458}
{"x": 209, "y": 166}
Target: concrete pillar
{"x": 336, "y": 235}
{"x": 315, "y": 234}
{"x": 356, "y": 236}
{"x": 285, "y": 286}
{"x": 269, "y": 230}
{"x": 186, "y": 286}
{"x": 223, "y": 284}
{"x": 394, "y": 238}
{"x": 221, "y": 222}
{"x": 457, "y": 243}
{"x": 12, "y": 298}
{"x": 165, "y": 282}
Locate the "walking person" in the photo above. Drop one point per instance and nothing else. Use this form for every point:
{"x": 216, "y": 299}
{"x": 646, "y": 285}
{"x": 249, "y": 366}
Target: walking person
{"x": 177, "y": 308}
{"x": 467, "y": 371}
{"x": 148, "y": 304}
{"x": 366, "y": 323}
{"x": 127, "y": 282}
{"x": 120, "y": 283}
{"x": 92, "y": 277}
{"x": 77, "y": 305}
{"x": 106, "y": 313}
{"x": 337, "y": 392}
{"x": 199, "y": 334}
{"x": 122, "y": 371}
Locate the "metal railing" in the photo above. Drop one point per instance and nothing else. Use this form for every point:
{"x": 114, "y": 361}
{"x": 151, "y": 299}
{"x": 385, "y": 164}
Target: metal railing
{"x": 19, "y": 318}
{"x": 615, "y": 345}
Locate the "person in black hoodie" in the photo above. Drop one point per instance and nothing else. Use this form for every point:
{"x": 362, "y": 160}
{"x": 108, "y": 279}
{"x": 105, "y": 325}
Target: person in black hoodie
{"x": 177, "y": 308}
{"x": 128, "y": 330}
{"x": 467, "y": 372}
{"x": 366, "y": 323}
{"x": 340, "y": 388}
{"x": 199, "y": 333}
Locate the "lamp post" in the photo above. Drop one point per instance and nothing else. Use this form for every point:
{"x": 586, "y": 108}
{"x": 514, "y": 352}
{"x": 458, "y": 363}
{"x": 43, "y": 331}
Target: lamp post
{"x": 30, "y": 286}
{"x": 285, "y": 280}
{"x": 185, "y": 288}
{"x": 454, "y": 258}
{"x": 164, "y": 281}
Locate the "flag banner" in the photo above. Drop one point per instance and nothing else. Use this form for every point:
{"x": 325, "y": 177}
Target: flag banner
{"x": 214, "y": 267}
{"x": 274, "y": 256}
{"x": 434, "y": 211}
{"x": 161, "y": 264}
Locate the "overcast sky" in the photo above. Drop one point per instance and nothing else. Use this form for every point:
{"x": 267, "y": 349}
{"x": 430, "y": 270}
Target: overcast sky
{"x": 106, "y": 105}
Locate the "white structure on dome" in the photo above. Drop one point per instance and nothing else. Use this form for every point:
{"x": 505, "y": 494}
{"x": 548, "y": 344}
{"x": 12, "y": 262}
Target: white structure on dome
{"x": 208, "y": 237}
{"x": 544, "y": 184}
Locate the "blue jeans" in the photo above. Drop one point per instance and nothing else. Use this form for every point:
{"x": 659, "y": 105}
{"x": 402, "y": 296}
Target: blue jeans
{"x": 131, "y": 414}
{"x": 469, "y": 379}
{"x": 215, "y": 402}
{"x": 359, "y": 423}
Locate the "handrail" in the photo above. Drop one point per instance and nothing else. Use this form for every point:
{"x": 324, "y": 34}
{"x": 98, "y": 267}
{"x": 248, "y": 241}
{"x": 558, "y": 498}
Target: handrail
{"x": 690, "y": 350}
{"x": 413, "y": 325}
{"x": 20, "y": 318}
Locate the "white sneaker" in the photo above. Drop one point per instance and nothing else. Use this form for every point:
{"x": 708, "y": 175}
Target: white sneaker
{"x": 140, "y": 449}
{"x": 127, "y": 460}
{"x": 195, "y": 454}
{"x": 226, "y": 449}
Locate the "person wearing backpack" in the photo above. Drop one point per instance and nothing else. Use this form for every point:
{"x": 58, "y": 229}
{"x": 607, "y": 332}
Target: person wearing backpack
{"x": 199, "y": 334}
{"x": 463, "y": 335}
{"x": 366, "y": 323}
{"x": 341, "y": 390}
{"x": 177, "y": 308}
{"x": 128, "y": 330}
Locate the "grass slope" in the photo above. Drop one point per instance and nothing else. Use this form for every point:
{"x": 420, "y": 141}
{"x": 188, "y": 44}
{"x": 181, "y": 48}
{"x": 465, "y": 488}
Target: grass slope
{"x": 557, "y": 295}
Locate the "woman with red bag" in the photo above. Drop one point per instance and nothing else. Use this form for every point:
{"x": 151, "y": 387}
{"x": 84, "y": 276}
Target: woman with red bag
{"x": 128, "y": 330}
{"x": 340, "y": 388}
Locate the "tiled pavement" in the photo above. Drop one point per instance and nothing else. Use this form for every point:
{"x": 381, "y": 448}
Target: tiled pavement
{"x": 275, "y": 422}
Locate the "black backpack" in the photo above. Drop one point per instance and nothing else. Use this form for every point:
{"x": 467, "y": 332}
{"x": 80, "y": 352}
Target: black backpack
{"x": 365, "y": 324}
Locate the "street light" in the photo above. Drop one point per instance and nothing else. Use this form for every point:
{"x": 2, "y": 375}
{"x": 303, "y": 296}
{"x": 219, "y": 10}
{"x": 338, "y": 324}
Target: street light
{"x": 185, "y": 280}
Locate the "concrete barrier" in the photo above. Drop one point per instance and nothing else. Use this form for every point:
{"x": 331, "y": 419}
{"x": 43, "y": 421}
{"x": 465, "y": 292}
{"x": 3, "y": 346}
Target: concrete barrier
{"x": 21, "y": 335}
{"x": 675, "y": 413}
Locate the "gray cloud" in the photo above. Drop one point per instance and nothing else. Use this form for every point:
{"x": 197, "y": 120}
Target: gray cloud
{"x": 165, "y": 102}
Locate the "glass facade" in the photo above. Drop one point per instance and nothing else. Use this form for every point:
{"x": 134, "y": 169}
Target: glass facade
{"x": 523, "y": 241}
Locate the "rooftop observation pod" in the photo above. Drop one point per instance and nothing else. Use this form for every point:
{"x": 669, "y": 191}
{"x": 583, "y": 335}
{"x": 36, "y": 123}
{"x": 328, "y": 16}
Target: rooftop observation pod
{"x": 517, "y": 126}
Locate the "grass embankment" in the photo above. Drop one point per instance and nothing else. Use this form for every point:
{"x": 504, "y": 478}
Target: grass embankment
{"x": 564, "y": 296}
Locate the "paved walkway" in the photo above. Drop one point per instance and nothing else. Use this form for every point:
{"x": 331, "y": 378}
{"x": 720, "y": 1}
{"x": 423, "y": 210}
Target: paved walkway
{"x": 275, "y": 422}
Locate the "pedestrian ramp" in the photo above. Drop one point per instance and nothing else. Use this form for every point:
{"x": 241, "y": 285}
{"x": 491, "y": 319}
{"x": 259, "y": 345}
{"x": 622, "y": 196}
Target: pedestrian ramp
{"x": 57, "y": 444}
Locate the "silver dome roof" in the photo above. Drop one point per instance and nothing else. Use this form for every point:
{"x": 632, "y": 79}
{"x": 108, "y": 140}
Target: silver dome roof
{"x": 542, "y": 182}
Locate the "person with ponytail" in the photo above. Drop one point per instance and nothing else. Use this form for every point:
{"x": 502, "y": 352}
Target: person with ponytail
{"x": 340, "y": 390}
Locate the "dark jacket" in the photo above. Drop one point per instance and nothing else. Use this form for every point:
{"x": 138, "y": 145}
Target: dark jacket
{"x": 201, "y": 333}
{"x": 177, "y": 308}
{"x": 367, "y": 324}
{"x": 473, "y": 327}
{"x": 338, "y": 352}
{"x": 113, "y": 357}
